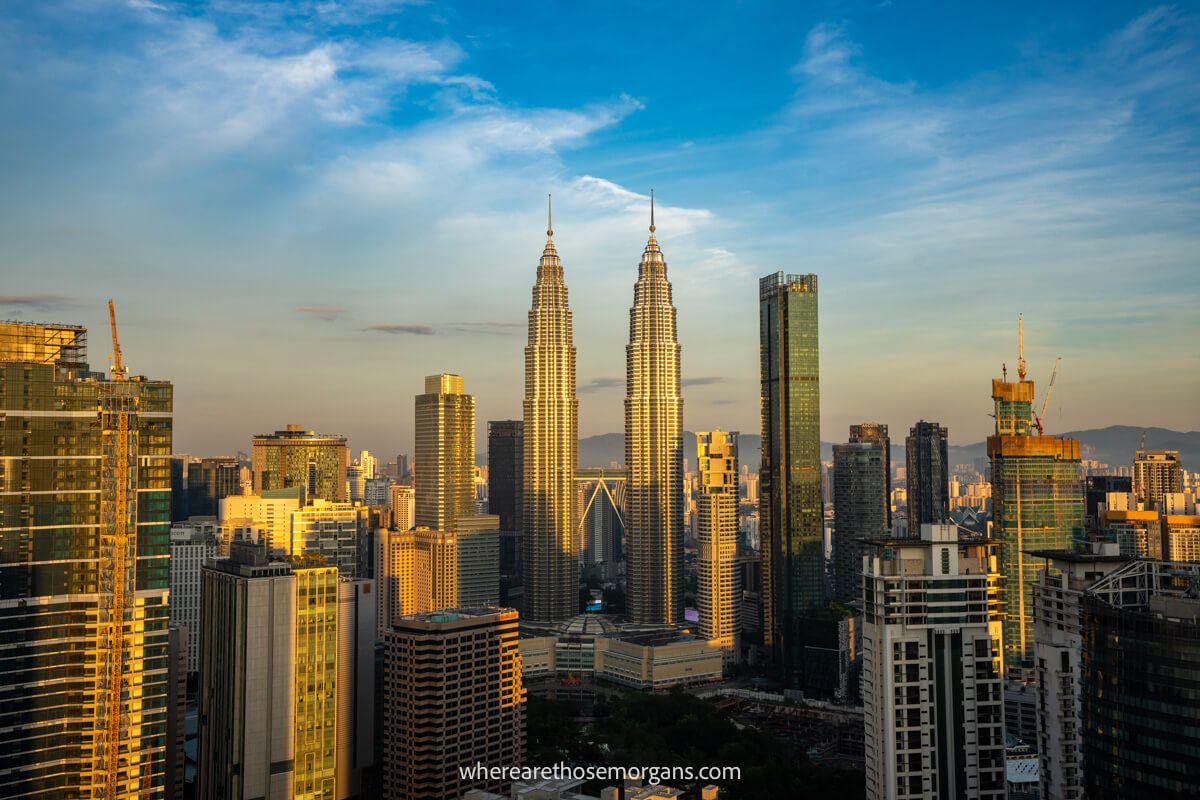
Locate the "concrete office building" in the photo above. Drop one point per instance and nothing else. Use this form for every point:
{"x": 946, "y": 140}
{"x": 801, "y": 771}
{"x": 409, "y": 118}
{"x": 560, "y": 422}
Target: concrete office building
{"x": 189, "y": 551}
{"x": 1155, "y": 474}
{"x": 932, "y": 668}
{"x": 436, "y": 720}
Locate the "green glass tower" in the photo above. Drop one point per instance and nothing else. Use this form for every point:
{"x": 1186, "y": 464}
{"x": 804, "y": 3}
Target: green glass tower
{"x": 85, "y": 517}
{"x": 790, "y": 507}
{"x": 1037, "y": 501}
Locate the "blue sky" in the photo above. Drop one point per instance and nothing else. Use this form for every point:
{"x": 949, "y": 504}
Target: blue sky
{"x": 304, "y": 208}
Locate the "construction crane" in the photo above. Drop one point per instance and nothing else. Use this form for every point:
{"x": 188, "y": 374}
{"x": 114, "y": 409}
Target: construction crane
{"x": 118, "y": 404}
{"x": 118, "y": 367}
{"x": 1040, "y": 413}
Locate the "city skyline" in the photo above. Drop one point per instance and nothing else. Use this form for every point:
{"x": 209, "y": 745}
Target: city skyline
{"x": 348, "y": 153}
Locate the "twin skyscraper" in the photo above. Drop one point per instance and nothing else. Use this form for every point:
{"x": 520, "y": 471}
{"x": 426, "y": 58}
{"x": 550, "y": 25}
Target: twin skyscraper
{"x": 653, "y": 448}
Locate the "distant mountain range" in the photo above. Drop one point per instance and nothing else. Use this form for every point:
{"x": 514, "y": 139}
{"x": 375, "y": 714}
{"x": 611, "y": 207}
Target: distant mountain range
{"x": 1112, "y": 445}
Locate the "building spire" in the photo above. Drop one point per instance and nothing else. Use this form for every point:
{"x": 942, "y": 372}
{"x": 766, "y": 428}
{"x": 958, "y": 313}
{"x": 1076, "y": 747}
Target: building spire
{"x": 549, "y": 218}
{"x": 651, "y": 211}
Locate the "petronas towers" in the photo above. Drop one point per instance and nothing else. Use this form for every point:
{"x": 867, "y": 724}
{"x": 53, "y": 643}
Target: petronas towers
{"x": 550, "y": 548}
{"x": 653, "y": 449}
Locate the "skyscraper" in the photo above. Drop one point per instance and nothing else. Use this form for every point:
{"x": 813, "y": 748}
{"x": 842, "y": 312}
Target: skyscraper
{"x": 550, "y": 549}
{"x": 859, "y": 512}
{"x": 189, "y": 550}
{"x": 931, "y": 670}
{"x": 506, "y": 471}
{"x": 403, "y": 507}
{"x": 1141, "y": 655}
{"x": 790, "y": 509}
{"x": 1058, "y": 643}
{"x": 85, "y": 525}
{"x": 718, "y": 588}
{"x": 928, "y": 475}
{"x": 210, "y": 480}
{"x": 445, "y": 446}
{"x": 1155, "y": 473}
{"x": 1037, "y": 500}
{"x": 286, "y": 678}
{"x": 653, "y": 447}
{"x": 878, "y": 433}
{"x": 299, "y": 457}
{"x": 434, "y": 723}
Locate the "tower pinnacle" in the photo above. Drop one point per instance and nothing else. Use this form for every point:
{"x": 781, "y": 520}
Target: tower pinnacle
{"x": 651, "y": 211}
{"x": 549, "y": 218}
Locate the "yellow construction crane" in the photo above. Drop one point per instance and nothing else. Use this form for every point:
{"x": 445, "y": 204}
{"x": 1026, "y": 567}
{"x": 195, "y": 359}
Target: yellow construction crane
{"x": 118, "y": 404}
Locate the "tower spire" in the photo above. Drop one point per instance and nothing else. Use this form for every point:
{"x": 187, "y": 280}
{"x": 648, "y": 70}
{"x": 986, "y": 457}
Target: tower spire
{"x": 652, "y": 211}
{"x": 549, "y": 218}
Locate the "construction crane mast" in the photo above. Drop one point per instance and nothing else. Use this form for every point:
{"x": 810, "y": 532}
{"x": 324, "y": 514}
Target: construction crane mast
{"x": 1020, "y": 347}
{"x": 119, "y": 400}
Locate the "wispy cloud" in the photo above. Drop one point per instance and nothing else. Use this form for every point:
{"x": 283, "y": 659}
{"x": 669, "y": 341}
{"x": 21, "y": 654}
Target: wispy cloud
{"x": 401, "y": 328}
{"x": 40, "y": 302}
{"x": 600, "y": 384}
{"x": 702, "y": 381}
{"x": 325, "y": 313}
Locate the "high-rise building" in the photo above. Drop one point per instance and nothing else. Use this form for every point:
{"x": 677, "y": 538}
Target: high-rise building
{"x": 85, "y": 519}
{"x": 506, "y": 472}
{"x": 210, "y": 480}
{"x": 299, "y": 457}
{"x": 550, "y": 549}
{"x": 932, "y": 669}
{"x": 859, "y": 512}
{"x": 418, "y": 570}
{"x": 176, "y": 731}
{"x": 478, "y": 538}
{"x": 1181, "y": 537}
{"x": 434, "y": 722}
{"x": 878, "y": 433}
{"x": 927, "y": 475}
{"x": 1141, "y": 656}
{"x": 189, "y": 550}
{"x": 369, "y": 464}
{"x": 403, "y": 507}
{"x": 1096, "y": 489}
{"x": 356, "y": 482}
{"x": 283, "y": 647}
{"x": 1037, "y": 501}
{"x": 271, "y": 515}
{"x": 356, "y": 702}
{"x": 653, "y": 448}
{"x": 1155, "y": 473}
{"x": 791, "y": 512}
{"x": 330, "y": 530}
{"x": 1058, "y": 644}
{"x": 445, "y": 444}
{"x": 718, "y": 587}
{"x": 377, "y": 492}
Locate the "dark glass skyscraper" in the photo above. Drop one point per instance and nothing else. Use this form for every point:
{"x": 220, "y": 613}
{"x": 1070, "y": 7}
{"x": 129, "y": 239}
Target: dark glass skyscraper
{"x": 85, "y": 518}
{"x": 859, "y": 512}
{"x": 790, "y": 507}
{"x": 210, "y": 480}
{"x": 928, "y": 475}
{"x": 878, "y": 433}
{"x": 506, "y": 476}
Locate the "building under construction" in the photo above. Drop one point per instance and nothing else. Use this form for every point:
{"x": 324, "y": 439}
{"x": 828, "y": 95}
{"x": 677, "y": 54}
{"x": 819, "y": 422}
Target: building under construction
{"x": 84, "y": 548}
{"x": 1037, "y": 496}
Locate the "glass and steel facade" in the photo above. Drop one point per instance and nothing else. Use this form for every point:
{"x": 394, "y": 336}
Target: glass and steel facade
{"x": 444, "y": 479}
{"x": 1037, "y": 497}
{"x": 1141, "y": 683}
{"x": 85, "y": 486}
{"x": 790, "y": 507}
{"x": 927, "y": 475}
{"x": 859, "y": 512}
{"x": 296, "y": 457}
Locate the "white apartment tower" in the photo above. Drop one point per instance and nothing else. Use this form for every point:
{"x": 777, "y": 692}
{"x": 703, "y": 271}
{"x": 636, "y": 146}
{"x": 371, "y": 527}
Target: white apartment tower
{"x": 932, "y": 667}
